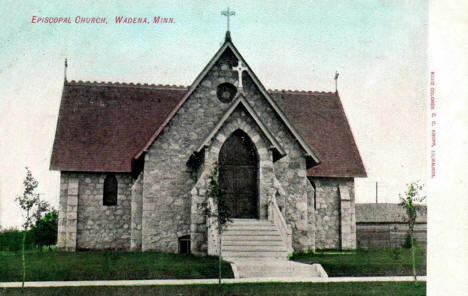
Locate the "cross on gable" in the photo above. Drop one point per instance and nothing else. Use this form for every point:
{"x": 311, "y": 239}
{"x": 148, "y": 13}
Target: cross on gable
{"x": 239, "y": 69}
{"x": 228, "y": 13}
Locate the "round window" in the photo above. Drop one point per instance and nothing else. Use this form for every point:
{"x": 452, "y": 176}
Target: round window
{"x": 226, "y": 92}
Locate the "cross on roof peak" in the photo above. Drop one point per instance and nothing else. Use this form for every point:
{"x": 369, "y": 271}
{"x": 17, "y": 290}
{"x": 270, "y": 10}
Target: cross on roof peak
{"x": 228, "y": 13}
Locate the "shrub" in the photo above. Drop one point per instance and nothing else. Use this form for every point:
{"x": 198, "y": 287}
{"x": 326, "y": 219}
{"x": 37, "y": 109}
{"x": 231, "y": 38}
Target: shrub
{"x": 44, "y": 233}
{"x": 11, "y": 240}
{"x": 407, "y": 243}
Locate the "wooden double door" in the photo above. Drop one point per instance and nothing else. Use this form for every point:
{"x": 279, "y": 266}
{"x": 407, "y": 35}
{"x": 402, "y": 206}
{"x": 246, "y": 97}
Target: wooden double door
{"x": 238, "y": 174}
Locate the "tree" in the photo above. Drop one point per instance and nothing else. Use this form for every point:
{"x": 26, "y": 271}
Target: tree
{"x": 222, "y": 213}
{"x": 44, "y": 232}
{"x": 409, "y": 201}
{"x": 33, "y": 208}
{"x": 30, "y": 201}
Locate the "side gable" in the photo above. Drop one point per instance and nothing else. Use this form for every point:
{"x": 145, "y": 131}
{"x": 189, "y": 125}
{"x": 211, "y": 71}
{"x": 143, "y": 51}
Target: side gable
{"x": 101, "y": 126}
{"x": 321, "y": 120}
{"x": 310, "y": 154}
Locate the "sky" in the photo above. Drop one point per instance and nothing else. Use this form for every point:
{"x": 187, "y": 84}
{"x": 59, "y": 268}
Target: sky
{"x": 378, "y": 47}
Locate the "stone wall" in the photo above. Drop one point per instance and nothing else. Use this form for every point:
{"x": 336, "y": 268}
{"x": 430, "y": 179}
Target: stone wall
{"x": 311, "y": 216}
{"x": 347, "y": 218}
{"x": 290, "y": 171}
{"x": 62, "y": 217}
{"x": 168, "y": 181}
{"x": 84, "y": 222}
{"x": 330, "y": 210}
{"x": 99, "y": 226}
{"x": 136, "y": 213}
{"x": 166, "y": 202}
{"x": 239, "y": 120}
{"x": 68, "y": 212}
{"x": 383, "y": 225}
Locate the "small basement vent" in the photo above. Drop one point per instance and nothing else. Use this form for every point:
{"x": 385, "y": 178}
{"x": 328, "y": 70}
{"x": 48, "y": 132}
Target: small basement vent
{"x": 184, "y": 244}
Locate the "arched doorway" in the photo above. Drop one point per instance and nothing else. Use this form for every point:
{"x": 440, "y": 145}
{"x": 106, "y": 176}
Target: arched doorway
{"x": 238, "y": 168}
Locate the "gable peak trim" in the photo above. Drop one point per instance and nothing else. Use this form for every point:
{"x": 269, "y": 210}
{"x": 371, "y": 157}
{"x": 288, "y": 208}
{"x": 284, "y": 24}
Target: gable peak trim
{"x": 240, "y": 100}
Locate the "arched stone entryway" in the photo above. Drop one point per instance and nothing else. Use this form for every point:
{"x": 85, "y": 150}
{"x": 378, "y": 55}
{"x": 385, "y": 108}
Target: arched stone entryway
{"x": 238, "y": 175}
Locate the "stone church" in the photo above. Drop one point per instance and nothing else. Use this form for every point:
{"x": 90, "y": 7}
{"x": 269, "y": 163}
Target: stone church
{"x": 135, "y": 162}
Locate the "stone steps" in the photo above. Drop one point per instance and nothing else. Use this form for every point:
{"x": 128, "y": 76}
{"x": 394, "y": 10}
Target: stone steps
{"x": 248, "y": 222}
{"x": 232, "y": 256}
{"x": 253, "y": 242}
{"x": 252, "y": 239}
{"x": 250, "y": 228}
{"x": 256, "y": 249}
{"x": 269, "y": 233}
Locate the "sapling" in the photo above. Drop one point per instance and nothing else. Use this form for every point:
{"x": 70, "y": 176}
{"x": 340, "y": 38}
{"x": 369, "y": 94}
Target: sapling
{"x": 409, "y": 201}
{"x": 222, "y": 214}
{"x": 33, "y": 208}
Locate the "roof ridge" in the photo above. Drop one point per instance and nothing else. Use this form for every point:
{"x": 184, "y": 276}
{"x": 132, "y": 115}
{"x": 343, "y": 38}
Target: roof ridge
{"x": 125, "y": 84}
{"x": 297, "y": 91}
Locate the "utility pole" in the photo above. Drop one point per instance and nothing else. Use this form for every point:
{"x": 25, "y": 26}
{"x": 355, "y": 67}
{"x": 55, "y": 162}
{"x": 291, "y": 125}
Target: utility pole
{"x": 376, "y": 192}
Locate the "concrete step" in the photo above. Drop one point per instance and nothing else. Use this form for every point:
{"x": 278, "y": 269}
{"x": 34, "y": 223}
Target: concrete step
{"x": 236, "y": 259}
{"x": 246, "y": 238}
{"x": 252, "y": 239}
{"x": 248, "y": 222}
{"x": 251, "y": 228}
{"x": 255, "y": 254}
{"x": 275, "y": 268}
{"x": 236, "y": 242}
{"x": 256, "y": 248}
{"x": 251, "y": 233}
{"x": 272, "y": 273}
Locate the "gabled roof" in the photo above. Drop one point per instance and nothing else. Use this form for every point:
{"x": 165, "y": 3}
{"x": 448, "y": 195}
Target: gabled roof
{"x": 101, "y": 126}
{"x": 228, "y": 44}
{"x": 239, "y": 100}
{"x": 321, "y": 120}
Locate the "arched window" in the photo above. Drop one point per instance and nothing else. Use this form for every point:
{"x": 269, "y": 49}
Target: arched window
{"x": 110, "y": 191}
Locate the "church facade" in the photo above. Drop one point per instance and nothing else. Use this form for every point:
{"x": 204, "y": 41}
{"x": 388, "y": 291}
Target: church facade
{"x": 135, "y": 161}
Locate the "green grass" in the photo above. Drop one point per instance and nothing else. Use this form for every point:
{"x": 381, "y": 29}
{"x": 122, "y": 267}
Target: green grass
{"x": 372, "y": 262}
{"x": 257, "y": 289}
{"x": 106, "y": 265}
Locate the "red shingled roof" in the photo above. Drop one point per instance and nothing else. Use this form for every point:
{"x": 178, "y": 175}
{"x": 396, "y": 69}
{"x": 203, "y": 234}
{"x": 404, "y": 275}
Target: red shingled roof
{"x": 320, "y": 119}
{"x": 101, "y": 126}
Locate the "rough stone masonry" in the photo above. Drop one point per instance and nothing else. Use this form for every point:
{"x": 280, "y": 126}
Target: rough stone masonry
{"x": 147, "y": 137}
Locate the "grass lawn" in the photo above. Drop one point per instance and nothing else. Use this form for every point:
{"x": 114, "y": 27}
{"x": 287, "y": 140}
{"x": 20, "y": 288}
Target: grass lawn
{"x": 106, "y": 265}
{"x": 373, "y": 262}
{"x": 328, "y": 289}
